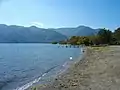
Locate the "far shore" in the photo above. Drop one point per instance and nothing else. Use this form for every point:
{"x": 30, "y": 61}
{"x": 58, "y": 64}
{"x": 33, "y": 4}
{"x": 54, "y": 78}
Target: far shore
{"x": 99, "y": 69}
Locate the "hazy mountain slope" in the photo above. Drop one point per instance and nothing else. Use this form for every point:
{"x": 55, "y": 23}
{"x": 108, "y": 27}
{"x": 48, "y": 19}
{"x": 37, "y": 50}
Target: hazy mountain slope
{"x": 20, "y": 34}
{"x": 79, "y": 31}
{"x": 28, "y": 34}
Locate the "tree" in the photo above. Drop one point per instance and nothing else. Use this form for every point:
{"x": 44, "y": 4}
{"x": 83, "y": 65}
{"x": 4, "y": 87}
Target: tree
{"x": 104, "y": 36}
{"x": 117, "y": 34}
{"x": 54, "y": 42}
{"x": 73, "y": 40}
{"x": 94, "y": 40}
{"x": 77, "y": 40}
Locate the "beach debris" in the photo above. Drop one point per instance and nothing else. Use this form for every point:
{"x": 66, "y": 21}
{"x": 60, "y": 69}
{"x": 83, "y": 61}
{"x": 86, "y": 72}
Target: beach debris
{"x": 74, "y": 84}
{"x": 71, "y": 58}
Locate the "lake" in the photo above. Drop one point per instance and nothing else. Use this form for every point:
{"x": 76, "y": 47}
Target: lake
{"x": 22, "y": 65}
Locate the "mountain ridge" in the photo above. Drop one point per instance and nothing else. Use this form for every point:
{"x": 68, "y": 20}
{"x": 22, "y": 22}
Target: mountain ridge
{"x": 78, "y": 31}
{"x": 33, "y": 34}
{"x": 20, "y": 34}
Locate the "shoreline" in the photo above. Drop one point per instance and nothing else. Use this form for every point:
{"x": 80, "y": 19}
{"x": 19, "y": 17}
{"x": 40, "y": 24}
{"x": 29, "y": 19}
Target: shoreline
{"x": 98, "y": 70}
{"x": 66, "y": 69}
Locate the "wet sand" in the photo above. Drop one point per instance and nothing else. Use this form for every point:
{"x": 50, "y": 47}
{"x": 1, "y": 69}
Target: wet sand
{"x": 99, "y": 69}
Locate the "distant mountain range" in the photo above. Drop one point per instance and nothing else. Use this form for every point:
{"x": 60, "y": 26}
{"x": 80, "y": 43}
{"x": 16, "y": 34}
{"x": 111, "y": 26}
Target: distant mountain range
{"x": 33, "y": 34}
{"x": 78, "y": 31}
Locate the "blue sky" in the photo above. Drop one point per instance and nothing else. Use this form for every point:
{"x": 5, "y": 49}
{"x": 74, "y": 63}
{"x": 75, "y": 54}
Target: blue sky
{"x": 61, "y": 13}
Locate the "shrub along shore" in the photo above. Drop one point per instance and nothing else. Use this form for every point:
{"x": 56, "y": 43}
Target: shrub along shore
{"x": 103, "y": 37}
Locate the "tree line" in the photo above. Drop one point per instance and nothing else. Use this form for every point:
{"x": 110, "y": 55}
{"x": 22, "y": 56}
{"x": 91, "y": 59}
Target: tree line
{"x": 103, "y": 37}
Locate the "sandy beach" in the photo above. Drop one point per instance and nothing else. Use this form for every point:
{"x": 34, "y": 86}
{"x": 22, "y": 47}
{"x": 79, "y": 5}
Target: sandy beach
{"x": 99, "y": 69}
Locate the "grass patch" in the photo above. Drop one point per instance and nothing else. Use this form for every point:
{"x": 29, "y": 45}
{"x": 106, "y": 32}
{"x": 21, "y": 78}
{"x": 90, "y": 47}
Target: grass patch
{"x": 102, "y": 48}
{"x": 34, "y": 88}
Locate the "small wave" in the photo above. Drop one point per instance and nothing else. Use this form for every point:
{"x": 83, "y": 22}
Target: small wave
{"x": 26, "y": 86}
{"x": 64, "y": 67}
{"x": 65, "y": 64}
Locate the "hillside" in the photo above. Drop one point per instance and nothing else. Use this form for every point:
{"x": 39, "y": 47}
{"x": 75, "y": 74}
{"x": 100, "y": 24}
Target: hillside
{"x": 20, "y": 34}
{"x": 33, "y": 34}
{"x": 78, "y": 31}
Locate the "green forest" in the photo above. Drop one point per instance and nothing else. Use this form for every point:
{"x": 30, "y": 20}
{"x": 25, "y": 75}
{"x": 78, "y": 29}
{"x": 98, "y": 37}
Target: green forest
{"x": 103, "y": 37}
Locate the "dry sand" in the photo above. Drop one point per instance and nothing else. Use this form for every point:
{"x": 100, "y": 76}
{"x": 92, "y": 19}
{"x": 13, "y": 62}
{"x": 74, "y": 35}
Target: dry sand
{"x": 98, "y": 70}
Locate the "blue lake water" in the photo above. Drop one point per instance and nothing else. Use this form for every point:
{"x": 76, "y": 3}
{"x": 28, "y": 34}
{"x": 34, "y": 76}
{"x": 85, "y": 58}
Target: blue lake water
{"x": 21, "y": 65}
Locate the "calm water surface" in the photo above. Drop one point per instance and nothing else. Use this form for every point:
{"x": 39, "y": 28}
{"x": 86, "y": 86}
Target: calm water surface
{"x": 21, "y": 65}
